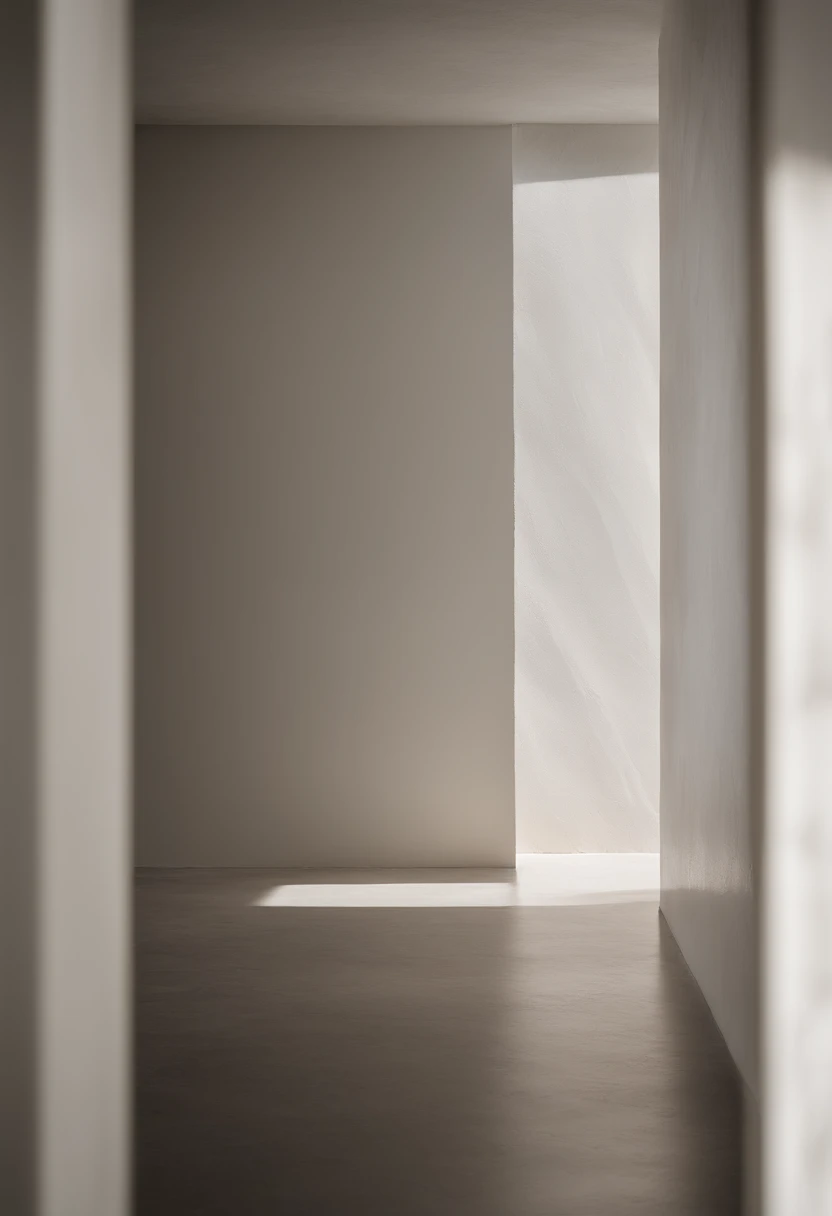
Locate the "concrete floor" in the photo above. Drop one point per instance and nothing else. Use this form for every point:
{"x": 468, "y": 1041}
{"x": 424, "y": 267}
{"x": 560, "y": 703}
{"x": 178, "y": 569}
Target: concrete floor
{"x": 321, "y": 1054}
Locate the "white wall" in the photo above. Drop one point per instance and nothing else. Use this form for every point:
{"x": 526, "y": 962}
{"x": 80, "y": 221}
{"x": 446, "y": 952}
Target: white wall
{"x": 586, "y": 233}
{"x": 324, "y": 497}
{"x": 707, "y": 449}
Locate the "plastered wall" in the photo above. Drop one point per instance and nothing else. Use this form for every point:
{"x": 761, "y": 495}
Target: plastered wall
{"x": 324, "y": 456}
{"x": 586, "y": 351}
{"x": 707, "y": 543}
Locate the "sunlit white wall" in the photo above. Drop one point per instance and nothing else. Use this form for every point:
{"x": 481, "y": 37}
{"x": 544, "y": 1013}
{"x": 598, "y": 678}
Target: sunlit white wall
{"x": 587, "y": 488}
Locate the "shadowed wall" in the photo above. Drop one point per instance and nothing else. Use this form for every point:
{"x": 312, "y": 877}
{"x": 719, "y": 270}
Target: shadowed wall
{"x": 324, "y": 497}
{"x": 706, "y": 421}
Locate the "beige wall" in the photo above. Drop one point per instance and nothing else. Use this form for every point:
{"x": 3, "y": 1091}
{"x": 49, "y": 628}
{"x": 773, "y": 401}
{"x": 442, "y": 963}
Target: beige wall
{"x": 324, "y": 497}
{"x": 708, "y": 426}
{"x": 586, "y": 407}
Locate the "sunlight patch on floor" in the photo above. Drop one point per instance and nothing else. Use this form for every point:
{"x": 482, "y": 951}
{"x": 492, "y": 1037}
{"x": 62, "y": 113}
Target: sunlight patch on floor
{"x": 540, "y": 880}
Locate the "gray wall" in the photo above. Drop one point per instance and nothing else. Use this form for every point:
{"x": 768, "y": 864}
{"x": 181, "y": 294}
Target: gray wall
{"x": 707, "y": 623}
{"x": 324, "y": 497}
{"x": 586, "y": 288}
{"x": 18, "y": 197}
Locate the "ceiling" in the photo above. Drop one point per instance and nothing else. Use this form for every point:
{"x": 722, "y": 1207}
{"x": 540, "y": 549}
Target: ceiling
{"x": 396, "y": 61}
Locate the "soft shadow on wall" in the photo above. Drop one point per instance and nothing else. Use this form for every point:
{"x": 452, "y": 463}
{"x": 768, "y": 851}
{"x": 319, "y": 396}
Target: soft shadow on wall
{"x": 586, "y": 346}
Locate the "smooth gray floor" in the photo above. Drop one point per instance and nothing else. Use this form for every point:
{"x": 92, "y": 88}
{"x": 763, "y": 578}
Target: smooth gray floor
{"x": 493, "y": 1061}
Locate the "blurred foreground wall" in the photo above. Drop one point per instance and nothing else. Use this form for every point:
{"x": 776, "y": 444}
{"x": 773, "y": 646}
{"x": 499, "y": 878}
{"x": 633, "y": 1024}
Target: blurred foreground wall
{"x": 796, "y": 164}
{"x": 64, "y": 636}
